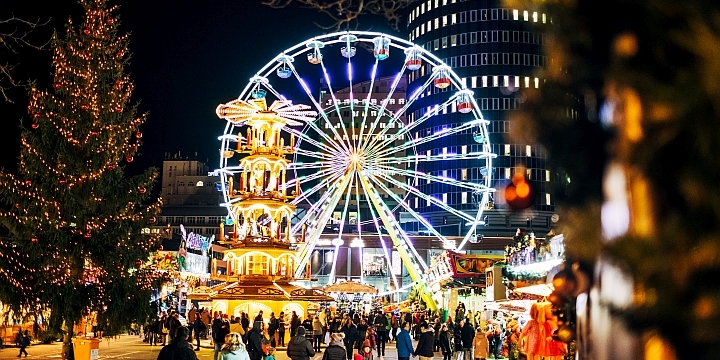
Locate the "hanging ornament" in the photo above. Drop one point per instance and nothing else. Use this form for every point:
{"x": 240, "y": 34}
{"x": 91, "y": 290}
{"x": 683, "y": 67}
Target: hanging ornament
{"x": 152, "y": 220}
{"x": 35, "y": 240}
{"x": 17, "y": 205}
{"x": 142, "y": 190}
{"x": 94, "y": 133}
{"x": 87, "y": 235}
{"x": 129, "y": 159}
{"x": 28, "y": 182}
{"x": 138, "y": 263}
{"x": 138, "y": 134}
{"x": 118, "y": 109}
{"x": 62, "y": 181}
{"x": 111, "y": 167}
{"x": 84, "y": 106}
{"x": 86, "y": 31}
{"x": 120, "y": 53}
{"x": 36, "y": 115}
{"x": 160, "y": 248}
{"x": 110, "y": 20}
{"x": 35, "y": 126}
{"x": 58, "y": 85}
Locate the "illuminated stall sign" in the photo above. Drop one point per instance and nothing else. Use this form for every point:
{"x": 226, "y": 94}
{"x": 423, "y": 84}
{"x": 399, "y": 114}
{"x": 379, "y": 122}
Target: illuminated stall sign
{"x": 470, "y": 265}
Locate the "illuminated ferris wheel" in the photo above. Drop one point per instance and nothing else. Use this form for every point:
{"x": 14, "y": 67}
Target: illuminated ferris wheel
{"x": 359, "y": 148}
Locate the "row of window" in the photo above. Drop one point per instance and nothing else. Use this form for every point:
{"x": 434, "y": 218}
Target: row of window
{"x": 186, "y": 220}
{"x": 475, "y": 37}
{"x": 454, "y": 199}
{"x": 475, "y": 15}
{"x": 469, "y": 16}
{"x": 363, "y": 101}
{"x": 196, "y": 183}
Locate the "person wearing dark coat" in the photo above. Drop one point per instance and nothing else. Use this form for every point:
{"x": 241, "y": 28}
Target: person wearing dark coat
{"x": 254, "y": 339}
{"x": 199, "y": 328}
{"x": 381, "y": 330}
{"x": 424, "y": 348}
{"x": 299, "y": 347}
{"x": 178, "y": 348}
{"x": 336, "y": 349}
{"x": 294, "y": 324}
{"x": 350, "y": 331}
{"x": 445, "y": 346}
{"x": 467, "y": 333}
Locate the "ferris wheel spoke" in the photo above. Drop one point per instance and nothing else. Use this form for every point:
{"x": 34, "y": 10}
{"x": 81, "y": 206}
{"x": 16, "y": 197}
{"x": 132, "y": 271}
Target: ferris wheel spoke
{"x": 305, "y": 194}
{"x": 343, "y": 216}
{"x": 439, "y": 179}
{"x": 382, "y": 239}
{"x": 318, "y": 225}
{"x": 424, "y": 158}
{"x": 399, "y": 113}
{"x": 338, "y": 146}
{"x": 302, "y": 135}
{"x": 367, "y": 102}
{"x": 383, "y": 107}
{"x": 411, "y": 211}
{"x": 336, "y": 105}
{"x": 411, "y": 125}
{"x": 433, "y": 200}
{"x": 357, "y": 202}
{"x": 426, "y": 139}
{"x": 475, "y": 223}
{"x": 314, "y": 154}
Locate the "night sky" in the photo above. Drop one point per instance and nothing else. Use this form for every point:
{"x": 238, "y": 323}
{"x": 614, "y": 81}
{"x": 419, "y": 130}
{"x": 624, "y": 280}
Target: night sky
{"x": 187, "y": 57}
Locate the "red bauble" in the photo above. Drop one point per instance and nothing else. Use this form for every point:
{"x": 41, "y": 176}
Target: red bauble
{"x": 84, "y": 106}
{"x": 110, "y": 20}
{"x": 62, "y": 181}
{"x": 152, "y": 220}
{"x": 160, "y": 248}
{"x": 35, "y": 240}
{"x": 138, "y": 135}
{"x": 17, "y": 205}
{"x": 86, "y": 31}
{"x": 120, "y": 53}
{"x": 129, "y": 158}
{"x": 28, "y": 182}
{"x": 87, "y": 236}
{"x": 111, "y": 167}
{"x": 142, "y": 190}
{"x": 94, "y": 133}
{"x": 118, "y": 109}
{"x": 36, "y": 115}
{"x": 138, "y": 263}
{"x": 35, "y": 126}
{"x": 58, "y": 85}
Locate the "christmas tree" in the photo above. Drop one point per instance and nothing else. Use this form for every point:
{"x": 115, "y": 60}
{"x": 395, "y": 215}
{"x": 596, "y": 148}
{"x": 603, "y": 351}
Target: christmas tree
{"x": 77, "y": 226}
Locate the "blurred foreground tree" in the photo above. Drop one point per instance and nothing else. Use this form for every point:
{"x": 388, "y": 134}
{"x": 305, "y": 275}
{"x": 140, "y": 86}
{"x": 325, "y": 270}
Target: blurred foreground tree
{"x": 78, "y": 241}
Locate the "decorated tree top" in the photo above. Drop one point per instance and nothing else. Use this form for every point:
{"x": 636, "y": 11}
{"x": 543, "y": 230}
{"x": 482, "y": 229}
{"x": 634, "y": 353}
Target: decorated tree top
{"x": 76, "y": 222}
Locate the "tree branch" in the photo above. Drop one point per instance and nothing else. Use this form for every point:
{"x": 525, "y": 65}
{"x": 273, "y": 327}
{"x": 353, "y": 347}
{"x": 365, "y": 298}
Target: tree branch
{"x": 15, "y": 34}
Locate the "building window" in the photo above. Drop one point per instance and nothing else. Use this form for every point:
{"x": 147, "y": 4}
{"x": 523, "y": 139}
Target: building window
{"x": 484, "y": 81}
{"x": 507, "y": 150}
{"x": 444, "y": 20}
{"x": 507, "y": 173}
{"x": 453, "y": 40}
{"x": 473, "y": 80}
{"x": 495, "y": 81}
{"x": 444, "y": 198}
{"x": 547, "y": 198}
{"x": 528, "y": 150}
{"x": 547, "y": 175}
{"x": 516, "y": 14}
{"x": 463, "y": 149}
{"x": 463, "y": 174}
{"x": 453, "y": 19}
{"x": 463, "y": 198}
{"x": 526, "y": 16}
{"x": 191, "y": 220}
{"x": 444, "y": 42}
{"x": 537, "y": 83}
{"x": 506, "y": 81}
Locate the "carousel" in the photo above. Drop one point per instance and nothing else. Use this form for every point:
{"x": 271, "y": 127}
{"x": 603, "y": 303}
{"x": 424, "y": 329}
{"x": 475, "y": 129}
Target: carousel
{"x": 257, "y": 270}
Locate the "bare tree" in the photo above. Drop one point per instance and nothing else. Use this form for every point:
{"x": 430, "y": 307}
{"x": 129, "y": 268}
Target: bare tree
{"x": 15, "y": 34}
{"x": 345, "y": 13}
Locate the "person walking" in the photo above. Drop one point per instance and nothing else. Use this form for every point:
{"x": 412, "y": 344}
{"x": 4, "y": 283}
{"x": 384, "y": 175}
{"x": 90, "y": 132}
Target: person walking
{"x": 24, "y": 342}
{"x": 294, "y": 324}
{"x": 445, "y": 344}
{"x": 362, "y": 328}
{"x": 317, "y": 327}
{"x": 281, "y": 329}
{"x": 220, "y": 328}
{"x": 381, "y": 323}
{"x": 403, "y": 342}
{"x": 299, "y": 347}
{"x": 273, "y": 325}
{"x": 350, "y": 331}
{"x": 481, "y": 345}
{"x": 234, "y": 349}
{"x": 467, "y": 334}
{"x": 336, "y": 348}
{"x": 178, "y": 348}
{"x": 426, "y": 343}
{"x": 199, "y": 327}
{"x": 191, "y": 316}
{"x": 254, "y": 341}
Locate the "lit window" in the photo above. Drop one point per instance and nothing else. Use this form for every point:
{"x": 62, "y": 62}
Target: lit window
{"x": 528, "y": 172}
{"x": 427, "y": 201}
{"x": 547, "y": 175}
{"x": 473, "y": 82}
{"x": 422, "y": 9}
{"x": 444, "y": 173}
{"x": 516, "y": 15}
{"x": 517, "y": 81}
{"x": 422, "y": 28}
{"x": 506, "y": 81}
{"x": 463, "y": 149}
{"x": 527, "y": 82}
{"x": 463, "y": 198}
{"x": 428, "y": 153}
{"x": 507, "y": 173}
{"x": 463, "y": 174}
{"x": 437, "y": 23}
{"x": 528, "y": 151}
{"x": 535, "y": 18}
{"x": 453, "y": 19}
{"x": 543, "y": 18}
{"x": 484, "y": 81}
{"x": 453, "y": 40}
{"x": 526, "y": 16}
{"x": 429, "y": 25}
{"x": 444, "y": 42}
{"x": 547, "y": 198}
{"x": 507, "y": 149}
{"x": 444, "y": 198}
{"x": 429, "y": 5}
{"x": 537, "y": 83}
{"x": 496, "y": 81}
{"x": 444, "y": 23}
{"x": 416, "y": 203}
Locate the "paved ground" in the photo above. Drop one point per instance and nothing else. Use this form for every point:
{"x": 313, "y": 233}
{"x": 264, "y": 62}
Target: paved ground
{"x": 131, "y": 347}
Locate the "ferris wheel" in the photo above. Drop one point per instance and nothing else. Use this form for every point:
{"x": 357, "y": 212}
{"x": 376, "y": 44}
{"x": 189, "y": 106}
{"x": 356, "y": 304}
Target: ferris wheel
{"x": 361, "y": 148}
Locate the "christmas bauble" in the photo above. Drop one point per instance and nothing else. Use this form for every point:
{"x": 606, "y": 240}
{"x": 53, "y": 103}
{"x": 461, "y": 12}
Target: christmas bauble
{"x": 84, "y": 106}
{"x": 142, "y": 190}
{"x": 17, "y": 205}
{"x": 556, "y": 299}
{"x": 118, "y": 109}
{"x": 87, "y": 236}
{"x": 138, "y": 263}
{"x": 28, "y": 182}
{"x": 36, "y": 115}
{"x": 35, "y": 240}
{"x": 111, "y": 167}
{"x": 160, "y": 248}
{"x": 35, "y": 126}
{"x": 564, "y": 282}
{"x": 94, "y": 133}
{"x": 86, "y": 31}
{"x": 110, "y": 20}
{"x": 129, "y": 158}
{"x": 58, "y": 85}
{"x": 62, "y": 181}
{"x": 152, "y": 220}
{"x": 138, "y": 135}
